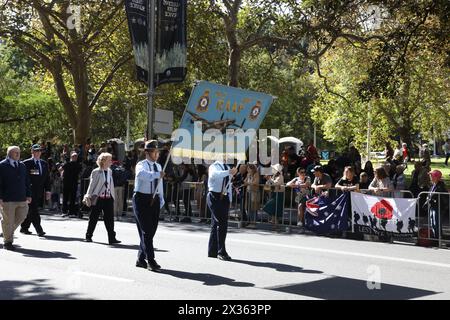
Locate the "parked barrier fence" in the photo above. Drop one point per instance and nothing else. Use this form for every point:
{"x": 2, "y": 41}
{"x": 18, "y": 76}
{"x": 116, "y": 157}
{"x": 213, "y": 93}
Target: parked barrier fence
{"x": 433, "y": 222}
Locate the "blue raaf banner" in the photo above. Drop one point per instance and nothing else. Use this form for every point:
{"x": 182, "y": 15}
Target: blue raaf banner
{"x": 218, "y": 112}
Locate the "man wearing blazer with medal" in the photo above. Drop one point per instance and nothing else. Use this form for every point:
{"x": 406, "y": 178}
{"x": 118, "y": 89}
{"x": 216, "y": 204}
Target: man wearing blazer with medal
{"x": 146, "y": 207}
{"x": 39, "y": 174}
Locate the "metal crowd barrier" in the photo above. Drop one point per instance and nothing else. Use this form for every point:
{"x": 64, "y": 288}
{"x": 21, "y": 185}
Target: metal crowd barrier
{"x": 389, "y": 194}
{"x": 433, "y": 222}
{"x": 186, "y": 202}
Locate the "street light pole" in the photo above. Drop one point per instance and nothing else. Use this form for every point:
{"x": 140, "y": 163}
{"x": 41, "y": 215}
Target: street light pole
{"x": 315, "y": 141}
{"x": 127, "y": 143}
{"x": 151, "y": 64}
{"x": 368, "y": 133}
{"x": 434, "y": 143}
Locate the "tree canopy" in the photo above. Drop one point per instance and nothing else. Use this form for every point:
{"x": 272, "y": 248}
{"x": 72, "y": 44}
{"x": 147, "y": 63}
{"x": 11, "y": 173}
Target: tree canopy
{"x": 328, "y": 63}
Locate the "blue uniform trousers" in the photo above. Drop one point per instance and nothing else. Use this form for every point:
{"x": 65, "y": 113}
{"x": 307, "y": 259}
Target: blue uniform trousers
{"x": 219, "y": 207}
{"x": 146, "y": 213}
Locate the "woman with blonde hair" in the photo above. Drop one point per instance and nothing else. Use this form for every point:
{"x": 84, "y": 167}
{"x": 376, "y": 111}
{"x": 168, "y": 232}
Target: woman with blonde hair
{"x": 274, "y": 207}
{"x": 253, "y": 194}
{"x": 100, "y": 197}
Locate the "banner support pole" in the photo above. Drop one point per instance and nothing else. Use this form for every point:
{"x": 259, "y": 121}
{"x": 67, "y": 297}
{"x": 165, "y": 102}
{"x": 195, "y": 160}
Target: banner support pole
{"x": 151, "y": 66}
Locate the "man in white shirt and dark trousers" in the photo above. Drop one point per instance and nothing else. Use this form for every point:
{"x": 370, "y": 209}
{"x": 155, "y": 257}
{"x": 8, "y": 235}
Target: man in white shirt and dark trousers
{"x": 146, "y": 207}
{"x": 218, "y": 201}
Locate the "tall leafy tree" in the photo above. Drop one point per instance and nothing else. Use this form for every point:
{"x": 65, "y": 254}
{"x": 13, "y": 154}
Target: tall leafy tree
{"x": 72, "y": 40}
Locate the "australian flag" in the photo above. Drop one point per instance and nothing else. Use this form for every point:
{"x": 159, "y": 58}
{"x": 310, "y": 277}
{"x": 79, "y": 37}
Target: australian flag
{"x": 328, "y": 214}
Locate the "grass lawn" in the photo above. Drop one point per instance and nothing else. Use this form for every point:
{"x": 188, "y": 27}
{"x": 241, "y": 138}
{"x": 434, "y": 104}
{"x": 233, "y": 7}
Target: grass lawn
{"x": 436, "y": 163}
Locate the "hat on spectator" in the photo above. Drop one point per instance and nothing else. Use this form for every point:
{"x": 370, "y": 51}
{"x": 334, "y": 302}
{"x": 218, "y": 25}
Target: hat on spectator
{"x": 73, "y": 153}
{"x": 277, "y": 168}
{"x": 317, "y": 168}
{"x": 151, "y": 145}
{"x": 435, "y": 174}
{"x": 36, "y": 147}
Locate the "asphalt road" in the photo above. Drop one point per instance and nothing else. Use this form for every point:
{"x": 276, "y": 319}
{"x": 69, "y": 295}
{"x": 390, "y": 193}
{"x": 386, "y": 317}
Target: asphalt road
{"x": 265, "y": 265}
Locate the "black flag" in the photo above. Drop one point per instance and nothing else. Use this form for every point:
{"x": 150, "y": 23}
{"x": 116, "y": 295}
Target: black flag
{"x": 137, "y": 23}
{"x": 170, "y": 62}
{"x": 170, "y": 46}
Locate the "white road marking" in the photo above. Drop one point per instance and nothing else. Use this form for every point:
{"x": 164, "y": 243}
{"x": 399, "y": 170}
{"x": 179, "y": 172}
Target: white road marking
{"x": 314, "y": 249}
{"x": 100, "y": 276}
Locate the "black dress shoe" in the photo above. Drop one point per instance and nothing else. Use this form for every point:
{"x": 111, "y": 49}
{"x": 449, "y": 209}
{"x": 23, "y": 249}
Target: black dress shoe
{"x": 41, "y": 234}
{"x": 141, "y": 264}
{"x": 153, "y": 266}
{"x": 210, "y": 255}
{"x": 88, "y": 239}
{"x": 224, "y": 257}
{"x": 9, "y": 246}
{"x": 114, "y": 241}
{"x": 24, "y": 231}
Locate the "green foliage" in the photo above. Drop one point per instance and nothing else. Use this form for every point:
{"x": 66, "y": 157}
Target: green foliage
{"x": 399, "y": 78}
{"x": 420, "y": 104}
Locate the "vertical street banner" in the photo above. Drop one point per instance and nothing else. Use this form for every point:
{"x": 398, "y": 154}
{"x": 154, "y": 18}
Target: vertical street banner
{"x": 171, "y": 34}
{"x": 382, "y": 216}
{"x": 327, "y": 214}
{"x": 217, "y": 122}
{"x": 136, "y": 11}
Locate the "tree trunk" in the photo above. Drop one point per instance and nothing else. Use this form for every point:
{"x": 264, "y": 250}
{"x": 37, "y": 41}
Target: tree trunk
{"x": 81, "y": 85}
{"x": 234, "y": 64}
{"x": 82, "y": 131}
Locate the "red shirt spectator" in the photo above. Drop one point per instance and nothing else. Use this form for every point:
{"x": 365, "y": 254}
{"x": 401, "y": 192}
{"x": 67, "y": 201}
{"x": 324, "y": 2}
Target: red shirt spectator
{"x": 312, "y": 151}
{"x": 405, "y": 151}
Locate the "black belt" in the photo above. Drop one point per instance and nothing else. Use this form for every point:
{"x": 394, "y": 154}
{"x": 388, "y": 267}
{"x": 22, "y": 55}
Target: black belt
{"x": 145, "y": 194}
{"x": 219, "y": 193}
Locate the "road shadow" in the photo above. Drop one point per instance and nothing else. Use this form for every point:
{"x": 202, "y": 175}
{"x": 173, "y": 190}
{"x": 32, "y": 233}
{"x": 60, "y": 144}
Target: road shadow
{"x": 44, "y": 254}
{"x": 277, "y": 266}
{"x": 208, "y": 279}
{"x": 57, "y": 238}
{"x": 340, "y": 288}
{"x": 37, "y": 289}
{"x": 130, "y": 247}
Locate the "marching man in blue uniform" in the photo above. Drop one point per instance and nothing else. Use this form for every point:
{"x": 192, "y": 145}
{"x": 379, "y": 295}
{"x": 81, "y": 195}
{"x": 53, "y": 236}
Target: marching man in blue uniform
{"x": 218, "y": 201}
{"x": 146, "y": 207}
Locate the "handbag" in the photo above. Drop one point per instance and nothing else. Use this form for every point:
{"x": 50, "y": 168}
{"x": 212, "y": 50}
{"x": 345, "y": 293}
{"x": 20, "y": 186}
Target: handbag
{"x": 93, "y": 199}
{"x": 90, "y": 201}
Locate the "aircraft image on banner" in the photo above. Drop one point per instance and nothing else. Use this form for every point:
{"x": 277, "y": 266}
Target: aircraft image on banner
{"x": 219, "y": 107}
{"x": 221, "y": 124}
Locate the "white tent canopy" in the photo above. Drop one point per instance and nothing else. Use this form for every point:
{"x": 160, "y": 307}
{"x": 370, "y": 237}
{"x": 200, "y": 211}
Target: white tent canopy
{"x": 297, "y": 141}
